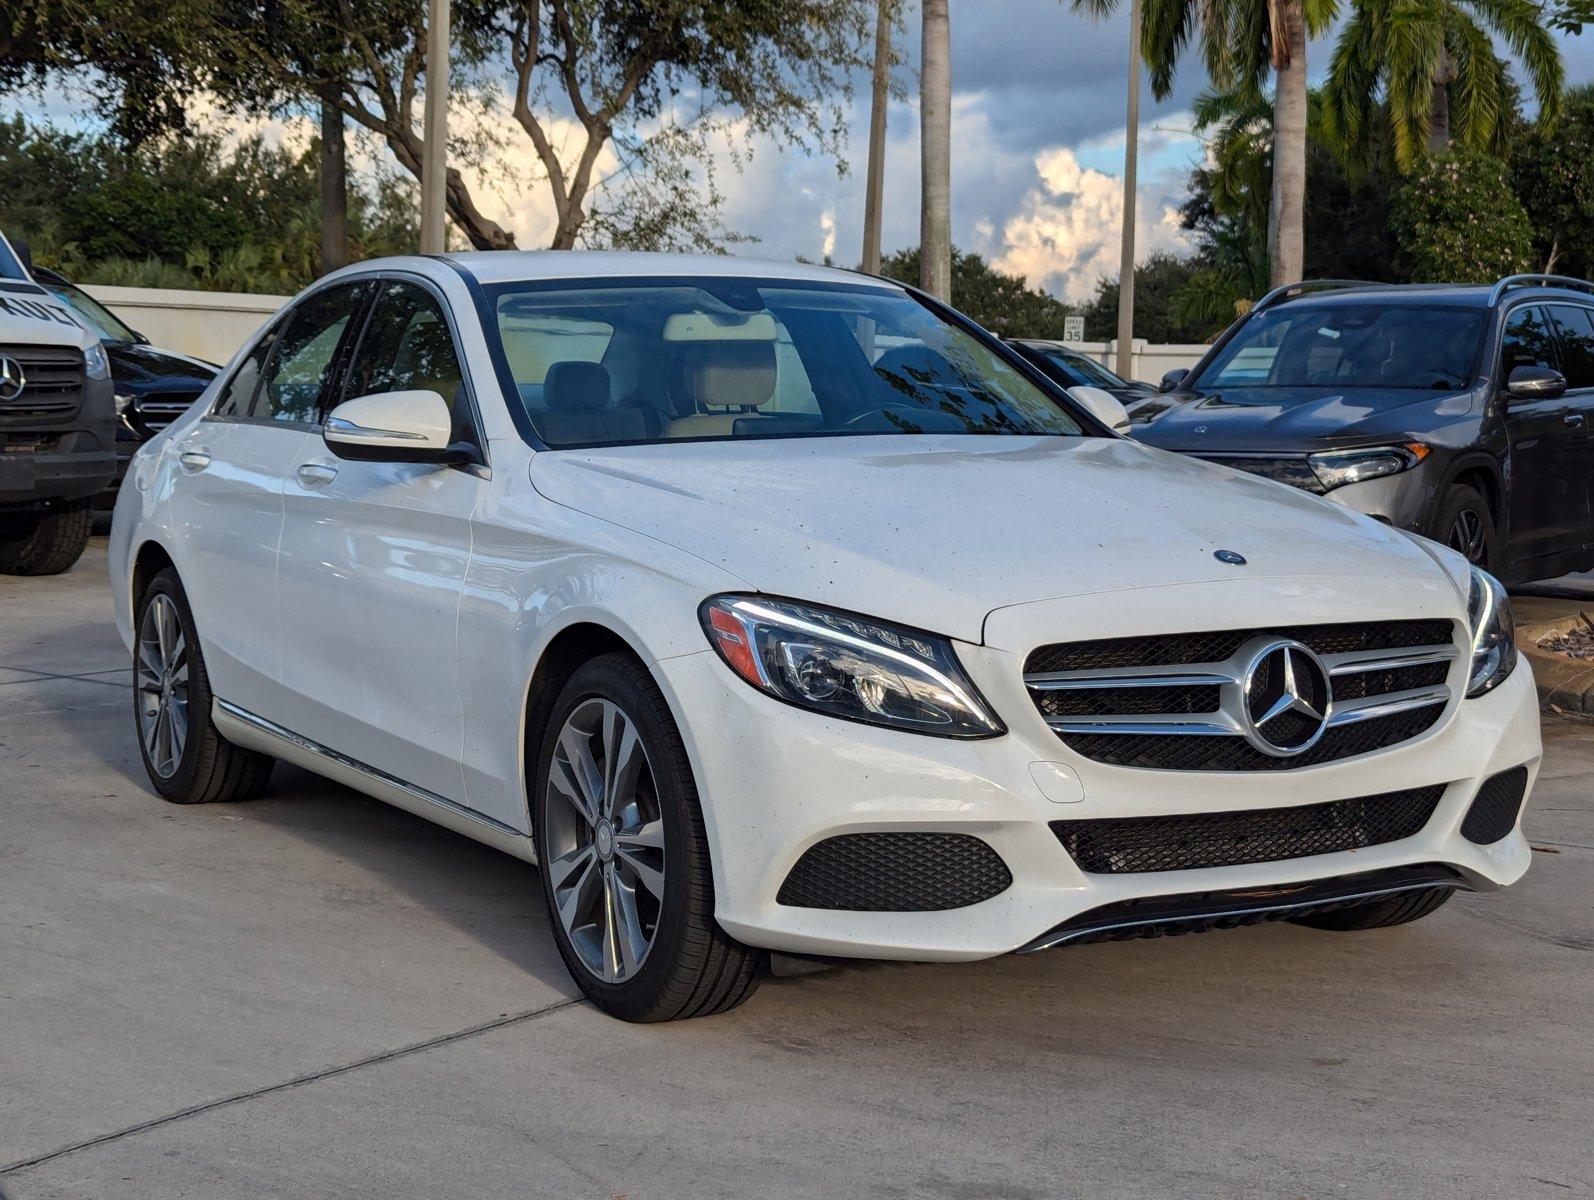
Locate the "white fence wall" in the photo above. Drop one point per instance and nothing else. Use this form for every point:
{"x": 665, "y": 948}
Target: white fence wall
{"x": 212, "y": 325}
{"x": 209, "y": 325}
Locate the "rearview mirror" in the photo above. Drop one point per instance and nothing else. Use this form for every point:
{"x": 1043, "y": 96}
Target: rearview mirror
{"x": 1173, "y": 379}
{"x": 1104, "y": 406}
{"x": 1535, "y": 383}
{"x": 412, "y": 426}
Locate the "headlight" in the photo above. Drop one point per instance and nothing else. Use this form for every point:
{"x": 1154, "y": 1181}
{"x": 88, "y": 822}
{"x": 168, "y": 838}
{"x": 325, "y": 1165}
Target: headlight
{"x": 1336, "y": 468}
{"x": 846, "y": 666}
{"x": 95, "y": 364}
{"x": 1494, "y": 647}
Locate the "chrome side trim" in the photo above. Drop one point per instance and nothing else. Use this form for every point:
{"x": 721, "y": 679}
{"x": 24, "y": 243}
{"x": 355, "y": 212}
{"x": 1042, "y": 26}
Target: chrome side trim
{"x": 244, "y": 728}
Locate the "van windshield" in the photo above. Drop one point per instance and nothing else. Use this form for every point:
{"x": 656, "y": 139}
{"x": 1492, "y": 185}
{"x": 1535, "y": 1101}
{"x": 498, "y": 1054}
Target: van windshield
{"x": 10, "y": 266}
{"x": 1406, "y": 346}
{"x": 638, "y": 361}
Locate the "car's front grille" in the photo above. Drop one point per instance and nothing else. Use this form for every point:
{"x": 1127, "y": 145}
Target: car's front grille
{"x": 1188, "y": 701}
{"x": 1190, "y": 841}
{"x": 895, "y": 872}
{"x": 53, "y": 383}
{"x": 159, "y": 410}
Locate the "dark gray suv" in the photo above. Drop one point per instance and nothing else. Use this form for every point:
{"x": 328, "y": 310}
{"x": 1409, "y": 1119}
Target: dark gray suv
{"x": 1463, "y": 413}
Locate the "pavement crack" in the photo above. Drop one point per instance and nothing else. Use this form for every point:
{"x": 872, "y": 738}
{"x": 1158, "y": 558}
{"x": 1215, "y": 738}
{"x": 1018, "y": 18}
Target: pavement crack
{"x": 195, "y": 1110}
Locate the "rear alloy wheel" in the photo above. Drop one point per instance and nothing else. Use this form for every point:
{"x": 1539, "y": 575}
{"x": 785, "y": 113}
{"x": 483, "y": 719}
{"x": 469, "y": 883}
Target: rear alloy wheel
{"x": 1465, "y": 524}
{"x": 625, "y": 865}
{"x": 185, "y": 756}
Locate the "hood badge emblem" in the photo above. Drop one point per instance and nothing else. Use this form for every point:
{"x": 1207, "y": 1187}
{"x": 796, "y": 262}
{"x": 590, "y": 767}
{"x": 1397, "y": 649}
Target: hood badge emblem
{"x": 1232, "y": 557}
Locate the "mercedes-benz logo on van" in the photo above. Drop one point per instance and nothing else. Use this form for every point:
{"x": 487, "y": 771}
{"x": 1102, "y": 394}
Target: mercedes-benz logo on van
{"x": 12, "y": 379}
{"x": 1286, "y": 698}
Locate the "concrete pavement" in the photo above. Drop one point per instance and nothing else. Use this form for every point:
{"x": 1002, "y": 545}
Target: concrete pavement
{"x": 316, "y": 996}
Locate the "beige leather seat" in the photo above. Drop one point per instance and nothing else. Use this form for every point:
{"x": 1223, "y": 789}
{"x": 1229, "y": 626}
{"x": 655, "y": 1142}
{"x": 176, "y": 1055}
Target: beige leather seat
{"x": 728, "y": 382}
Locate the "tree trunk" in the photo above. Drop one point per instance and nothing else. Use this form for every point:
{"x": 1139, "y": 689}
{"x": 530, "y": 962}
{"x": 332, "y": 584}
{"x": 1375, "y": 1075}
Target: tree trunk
{"x": 334, "y": 190}
{"x": 874, "y": 182}
{"x": 1286, "y": 234}
{"x": 1439, "y": 113}
{"x": 935, "y": 152}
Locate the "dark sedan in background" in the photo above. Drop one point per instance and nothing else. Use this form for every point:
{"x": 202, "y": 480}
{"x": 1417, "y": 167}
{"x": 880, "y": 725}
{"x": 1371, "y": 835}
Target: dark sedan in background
{"x": 1460, "y": 412}
{"x": 1070, "y": 368}
{"x": 153, "y": 386}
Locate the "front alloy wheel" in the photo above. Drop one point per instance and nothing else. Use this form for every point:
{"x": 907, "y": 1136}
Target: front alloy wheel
{"x": 625, "y": 860}
{"x": 1466, "y": 536}
{"x": 161, "y": 669}
{"x": 607, "y": 840}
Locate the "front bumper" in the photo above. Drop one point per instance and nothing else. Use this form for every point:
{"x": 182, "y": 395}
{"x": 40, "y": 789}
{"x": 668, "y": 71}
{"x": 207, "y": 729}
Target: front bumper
{"x": 775, "y": 781}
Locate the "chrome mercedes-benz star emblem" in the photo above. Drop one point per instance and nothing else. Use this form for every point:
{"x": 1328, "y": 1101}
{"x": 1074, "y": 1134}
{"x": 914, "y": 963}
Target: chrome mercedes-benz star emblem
{"x": 1286, "y": 698}
{"x": 12, "y": 379}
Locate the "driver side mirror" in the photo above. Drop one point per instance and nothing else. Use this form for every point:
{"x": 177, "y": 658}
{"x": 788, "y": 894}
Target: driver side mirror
{"x": 1535, "y": 383}
{"x": 1173, "y": 379}
{"x": 1104, "y": 406}
{"x": 413, "y": 426}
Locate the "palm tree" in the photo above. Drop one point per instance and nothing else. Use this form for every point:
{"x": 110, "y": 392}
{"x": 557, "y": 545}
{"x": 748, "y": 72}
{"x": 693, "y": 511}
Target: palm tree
{"x": 1435, "y": 63}
{"x": 874, "y": 181}
{"x": 935, "y": 152}
{"x": 1242, "y": 42}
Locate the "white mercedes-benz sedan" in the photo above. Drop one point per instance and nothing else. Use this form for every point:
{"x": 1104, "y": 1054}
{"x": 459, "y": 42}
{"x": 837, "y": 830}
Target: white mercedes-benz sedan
{"x": 780, "y": 609}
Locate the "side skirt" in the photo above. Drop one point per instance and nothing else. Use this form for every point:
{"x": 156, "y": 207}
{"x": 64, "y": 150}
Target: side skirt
{"x": 244, "y": 728}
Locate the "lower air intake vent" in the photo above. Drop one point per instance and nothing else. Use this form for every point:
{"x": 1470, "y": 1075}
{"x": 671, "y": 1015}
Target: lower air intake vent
{"x": 895, "y": 872}
{"x": 1127, "y": 845}
{"x": 1494, "y": 810}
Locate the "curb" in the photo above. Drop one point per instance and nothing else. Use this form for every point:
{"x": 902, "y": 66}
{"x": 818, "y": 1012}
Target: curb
{"x": 1566, "y": 685}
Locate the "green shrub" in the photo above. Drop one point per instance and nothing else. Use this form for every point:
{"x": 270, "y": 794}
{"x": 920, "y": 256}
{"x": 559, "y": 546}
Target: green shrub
{"x": 1459, "y": 221}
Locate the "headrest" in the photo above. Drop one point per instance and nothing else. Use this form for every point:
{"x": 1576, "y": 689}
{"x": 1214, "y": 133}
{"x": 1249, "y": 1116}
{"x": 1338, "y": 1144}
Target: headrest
{"x": 730, "y": 374}
{"x": 576, "y": 385}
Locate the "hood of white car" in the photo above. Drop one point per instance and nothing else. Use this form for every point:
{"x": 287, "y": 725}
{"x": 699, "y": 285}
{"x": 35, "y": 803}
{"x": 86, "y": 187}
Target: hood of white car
{"x": 936, "y": 531}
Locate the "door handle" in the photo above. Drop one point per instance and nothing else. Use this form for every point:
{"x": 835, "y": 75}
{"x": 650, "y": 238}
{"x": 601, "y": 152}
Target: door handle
{"x": 1575, "y": 420}
{"x": 194, "y": 461}
{"x": 316, "y": 474}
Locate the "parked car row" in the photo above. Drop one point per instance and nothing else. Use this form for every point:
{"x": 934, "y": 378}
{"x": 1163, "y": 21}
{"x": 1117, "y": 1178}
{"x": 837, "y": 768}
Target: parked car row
{"x": 778, "y": 610}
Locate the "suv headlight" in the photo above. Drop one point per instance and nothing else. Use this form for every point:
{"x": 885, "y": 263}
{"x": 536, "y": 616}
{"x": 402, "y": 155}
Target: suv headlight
{"x": 96, "y": 365}
{"x": 1336, "y": 468}
{"x": 847, "y": 666}
{"x": 1494, "y": 647}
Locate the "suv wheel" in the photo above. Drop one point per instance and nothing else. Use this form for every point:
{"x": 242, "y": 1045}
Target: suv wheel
{"x": 187, "y": 760}
{"x": 624, "y": 860}
{"x": 1465, "y": 524}
{"x": 1379, "y": 914}
{"x": 46, "y": 543}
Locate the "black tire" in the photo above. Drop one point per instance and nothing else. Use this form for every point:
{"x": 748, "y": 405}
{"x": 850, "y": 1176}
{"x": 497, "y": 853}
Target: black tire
{"x": 692, "y": 968}
{"x": 1379, "y": 914}
{"x": 209, "y": 768}
{"x": 48, "y": 543}
{"x": 1464, "y": 516}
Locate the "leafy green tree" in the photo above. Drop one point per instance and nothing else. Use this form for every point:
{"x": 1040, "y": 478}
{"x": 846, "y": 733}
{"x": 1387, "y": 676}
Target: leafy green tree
{"x": 1434, "y": 65}
{"x": 134, "y": 58}
{"x": 1554, "y": 176}
{"x": 1159, "y": 283}
{"x": 1004, "y": 304}
{"x": 1458, "y": 220}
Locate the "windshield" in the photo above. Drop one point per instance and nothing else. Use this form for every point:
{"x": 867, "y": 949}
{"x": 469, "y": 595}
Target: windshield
{"x": 624, "y": 361}
{"x": 100, "y": 320}
{"x": 1421, "y": 347}
{"x": 10, "y": 266}
{"x": 1082, "y": 369}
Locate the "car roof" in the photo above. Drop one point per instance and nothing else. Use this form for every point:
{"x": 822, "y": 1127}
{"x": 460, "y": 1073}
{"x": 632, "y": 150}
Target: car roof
{"x": 1453, "y": 295}
{"x": 515, "y": 266}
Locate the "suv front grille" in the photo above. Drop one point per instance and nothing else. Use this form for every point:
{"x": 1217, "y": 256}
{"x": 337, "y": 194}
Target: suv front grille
{"x": 1187, "y": 842}
{"x": 160, "y": 409}
{"x": 54, "y": 386}
{"x": 1179, "y": 702}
